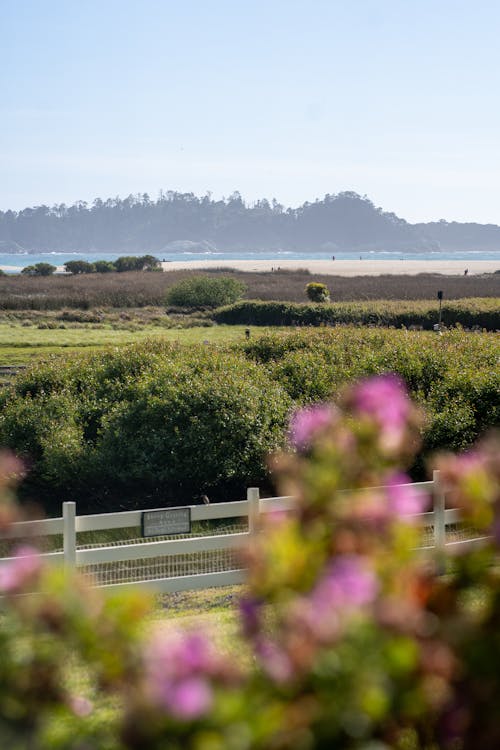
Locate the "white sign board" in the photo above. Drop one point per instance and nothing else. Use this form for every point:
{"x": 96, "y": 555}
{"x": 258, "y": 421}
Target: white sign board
{"x": 166, "y": 522}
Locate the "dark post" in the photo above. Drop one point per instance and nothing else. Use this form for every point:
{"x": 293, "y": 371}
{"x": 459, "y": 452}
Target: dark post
{"x": 440, "y": 298}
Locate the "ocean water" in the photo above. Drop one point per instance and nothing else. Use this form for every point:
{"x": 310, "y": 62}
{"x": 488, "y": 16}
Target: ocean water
{"x": 16, "y": 261}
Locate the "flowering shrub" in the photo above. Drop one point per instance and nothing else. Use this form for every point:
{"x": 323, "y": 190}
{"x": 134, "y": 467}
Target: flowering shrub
{"x": 357, "y": 641}
{"x": 317, "y": 292}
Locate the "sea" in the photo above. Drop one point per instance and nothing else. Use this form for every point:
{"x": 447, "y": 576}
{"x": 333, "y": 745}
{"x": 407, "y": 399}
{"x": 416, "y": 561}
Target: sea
{"x": 11, "y": 262}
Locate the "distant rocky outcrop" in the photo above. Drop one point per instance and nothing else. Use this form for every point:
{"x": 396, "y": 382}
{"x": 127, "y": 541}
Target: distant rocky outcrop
{"x": 10, "y": 247}
{"x": 188, "y": 246}
{"x": 454, "y": 235}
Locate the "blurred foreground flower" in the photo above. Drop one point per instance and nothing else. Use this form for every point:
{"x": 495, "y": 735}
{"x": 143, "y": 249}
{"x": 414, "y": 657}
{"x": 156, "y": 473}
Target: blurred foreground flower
{"x": 21, "y": 571}
{"x": 355, "y": 640}
{"x": 307, "y": 424}
{"x": 181, "y": 669}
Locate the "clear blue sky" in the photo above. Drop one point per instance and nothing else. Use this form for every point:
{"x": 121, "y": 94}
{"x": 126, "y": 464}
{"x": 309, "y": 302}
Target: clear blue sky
{"x": 396, "y": 99}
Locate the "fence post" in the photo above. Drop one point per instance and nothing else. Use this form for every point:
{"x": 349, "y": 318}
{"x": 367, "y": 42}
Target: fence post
{"x": 439, "y": 519}
{"x": 253, "y": 497}
{"x": 69, "y": 534}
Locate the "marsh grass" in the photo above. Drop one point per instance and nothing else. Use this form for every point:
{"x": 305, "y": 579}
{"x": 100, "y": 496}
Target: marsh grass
{"x": 136, "y": 289}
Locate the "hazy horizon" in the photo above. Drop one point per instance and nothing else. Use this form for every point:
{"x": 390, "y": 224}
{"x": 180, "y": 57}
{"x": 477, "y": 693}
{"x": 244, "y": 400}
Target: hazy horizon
{"x": 287, "y": 100}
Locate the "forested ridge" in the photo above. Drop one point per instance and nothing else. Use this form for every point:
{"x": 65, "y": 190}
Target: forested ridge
{"x": 183, "y": 221}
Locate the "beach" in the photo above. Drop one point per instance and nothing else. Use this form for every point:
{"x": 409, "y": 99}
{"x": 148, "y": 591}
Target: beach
{"x": 347, "y": 267}
{"x": 351, "y": 267}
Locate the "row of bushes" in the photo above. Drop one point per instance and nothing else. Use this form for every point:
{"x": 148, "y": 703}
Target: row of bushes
{"x": 481, "y": 312}
{"x": 121, "y": 264}
{"x": 156, "y": 423}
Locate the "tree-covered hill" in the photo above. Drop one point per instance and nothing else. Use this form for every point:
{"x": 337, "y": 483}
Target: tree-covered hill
{"x": 177, "y": 221}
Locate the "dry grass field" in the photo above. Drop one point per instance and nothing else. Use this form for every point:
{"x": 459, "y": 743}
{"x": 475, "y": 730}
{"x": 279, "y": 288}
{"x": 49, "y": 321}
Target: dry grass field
{"x": 139, "y": 289}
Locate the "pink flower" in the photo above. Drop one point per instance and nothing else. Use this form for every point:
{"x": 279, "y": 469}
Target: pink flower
{"x": 189, "y": 698}
{"x": 307, "y": 423}
{"x": 180, "y": 671}
{"x": 22, "y": 569}
{"x": 403, "y": 499}
{"x": 275, "y": 660}
{"x": 80, "y": 706}
{"x": 384, "y": 398}
{"x": 349, "y": 583}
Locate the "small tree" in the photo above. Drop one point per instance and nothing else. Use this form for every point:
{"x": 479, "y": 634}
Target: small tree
{"x": 203, "y": 291}
{"x": 149, "y": 263}
{"x": 104, "y": 266}
{"x": 79, "y": 266}
{"x": 39, "y": 269}
{"x": 128, "y": 263}
{"x": 137, "y": 263}
{"x": 317, "y": 292}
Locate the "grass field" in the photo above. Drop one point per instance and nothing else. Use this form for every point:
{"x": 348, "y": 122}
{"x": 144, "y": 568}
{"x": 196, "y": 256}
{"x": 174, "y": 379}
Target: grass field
{"x": 20, "y": 345}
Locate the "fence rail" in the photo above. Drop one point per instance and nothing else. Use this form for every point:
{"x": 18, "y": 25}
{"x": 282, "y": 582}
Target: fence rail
{"x": 185, "y": 556}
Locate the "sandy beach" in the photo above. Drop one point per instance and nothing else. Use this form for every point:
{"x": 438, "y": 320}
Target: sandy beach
{"x": 335, "y": 267}
{"x": 348, "y": 267}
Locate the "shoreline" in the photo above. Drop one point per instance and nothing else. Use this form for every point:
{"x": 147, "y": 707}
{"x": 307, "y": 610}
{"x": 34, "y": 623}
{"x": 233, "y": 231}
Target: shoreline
{"x": 346, "y": 267}
{"x": 339, "y": 267}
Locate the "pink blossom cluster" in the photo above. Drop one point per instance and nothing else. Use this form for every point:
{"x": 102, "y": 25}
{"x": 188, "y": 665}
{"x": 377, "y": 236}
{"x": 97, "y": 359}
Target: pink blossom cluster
{"x": 181, "y": 670}
{"x": 348, "y": 586}
{"x": 21, "y": 570}
{"x": 403, "y": 500}
{"x": 384, "y": 400}
{"x": 308, "y": 424}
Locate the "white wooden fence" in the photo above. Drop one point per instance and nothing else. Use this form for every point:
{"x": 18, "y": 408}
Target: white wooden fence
{"x": 69, "y": 525}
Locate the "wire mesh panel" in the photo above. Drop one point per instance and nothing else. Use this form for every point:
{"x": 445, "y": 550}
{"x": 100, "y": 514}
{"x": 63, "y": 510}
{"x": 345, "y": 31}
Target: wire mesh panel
{"x": 162, "y": 566}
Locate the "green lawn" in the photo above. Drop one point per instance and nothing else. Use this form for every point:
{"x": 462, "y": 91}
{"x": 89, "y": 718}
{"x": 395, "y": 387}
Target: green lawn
{"x": 19, "y": 345}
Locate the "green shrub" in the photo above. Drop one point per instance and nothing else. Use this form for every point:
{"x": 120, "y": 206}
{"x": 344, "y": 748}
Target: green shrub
{"x": 150, "y": 424}
{"x": 204, "y": 291}
{"x": 39, "y": 269}
{"x": 76, "y": 267}
{"x": 317, "y": 292}
{"x": 136, "y": 263}
{"x": 455, "y": 376}
{"x": 104, "y": 266}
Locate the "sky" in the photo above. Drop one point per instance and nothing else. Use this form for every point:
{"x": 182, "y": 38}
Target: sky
{"x": 395, "y": 99}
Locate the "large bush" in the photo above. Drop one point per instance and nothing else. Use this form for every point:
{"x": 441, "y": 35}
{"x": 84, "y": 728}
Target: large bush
{"x": 147, "y": 425}
{"x": 455, "y": 376}
{"x": 205, "y": 291}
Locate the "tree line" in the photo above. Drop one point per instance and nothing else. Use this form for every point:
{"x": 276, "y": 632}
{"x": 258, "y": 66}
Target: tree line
{"x": 77, "y": 267}
{"x": 344, "y": 221}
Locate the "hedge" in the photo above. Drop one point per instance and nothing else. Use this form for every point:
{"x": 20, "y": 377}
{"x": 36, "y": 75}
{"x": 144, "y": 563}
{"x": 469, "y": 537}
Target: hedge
{"x": 156, "y": 424}
{"x": 469, "y": 313}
